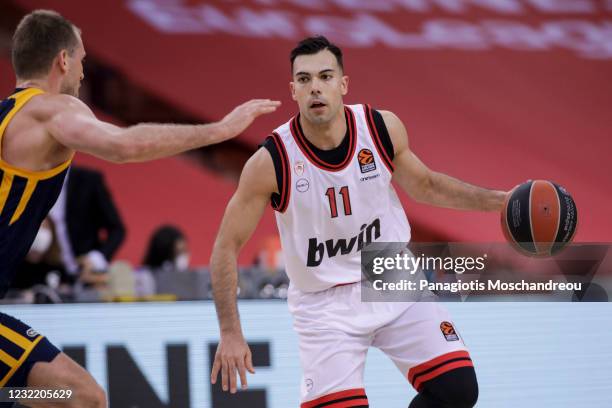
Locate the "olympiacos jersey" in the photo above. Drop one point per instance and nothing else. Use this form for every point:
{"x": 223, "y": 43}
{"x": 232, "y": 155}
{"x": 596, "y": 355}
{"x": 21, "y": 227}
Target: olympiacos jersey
{"x": 326, "y": 213}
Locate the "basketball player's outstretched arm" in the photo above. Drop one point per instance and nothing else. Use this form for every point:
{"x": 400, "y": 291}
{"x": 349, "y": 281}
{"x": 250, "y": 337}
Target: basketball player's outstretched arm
{"x": 75, "y": 126}
{"x": 242, "y": 215}
{"x": 431, "y": 187}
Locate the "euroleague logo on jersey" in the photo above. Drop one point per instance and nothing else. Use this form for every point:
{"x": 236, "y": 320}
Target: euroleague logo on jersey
{"x": 449, "y": 331}
{"x": 366, "y": 160}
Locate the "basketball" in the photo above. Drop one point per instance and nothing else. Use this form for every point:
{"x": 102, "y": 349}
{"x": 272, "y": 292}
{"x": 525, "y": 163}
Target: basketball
{"x": 539, "y": 218}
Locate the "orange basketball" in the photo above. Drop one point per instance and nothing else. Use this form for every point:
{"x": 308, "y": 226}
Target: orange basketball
{"x": 539, "y": 218}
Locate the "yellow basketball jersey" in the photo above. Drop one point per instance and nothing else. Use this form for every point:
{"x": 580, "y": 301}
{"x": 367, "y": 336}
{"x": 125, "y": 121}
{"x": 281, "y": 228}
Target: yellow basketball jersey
{"x": 25, "y": 196}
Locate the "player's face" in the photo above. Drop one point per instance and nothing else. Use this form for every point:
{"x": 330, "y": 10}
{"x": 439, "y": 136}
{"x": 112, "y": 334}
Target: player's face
{"x": 74, "y": 73}
{"x": 318, "y": 86}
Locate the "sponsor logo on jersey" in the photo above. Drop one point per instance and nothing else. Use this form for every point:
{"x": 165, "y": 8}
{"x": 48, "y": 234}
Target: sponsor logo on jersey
{"x": 302, "y": 185}
{"x": 449, "y": 331}
{"x": 372, "y": 177}
{"x": 299, "y": 168}
{"x": 366, "y": 160}
{"x": 333, "y": 247}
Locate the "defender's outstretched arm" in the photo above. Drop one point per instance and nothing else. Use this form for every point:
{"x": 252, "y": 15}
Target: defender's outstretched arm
{"x": 75, "y": 126}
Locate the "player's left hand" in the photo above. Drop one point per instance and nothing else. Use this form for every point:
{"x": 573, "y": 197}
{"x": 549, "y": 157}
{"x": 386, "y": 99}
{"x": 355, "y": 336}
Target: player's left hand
{"x": 233, "y": 354}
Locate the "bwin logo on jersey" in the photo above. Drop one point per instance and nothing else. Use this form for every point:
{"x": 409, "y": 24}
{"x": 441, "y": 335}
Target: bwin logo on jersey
{"x": 317, "y": 250}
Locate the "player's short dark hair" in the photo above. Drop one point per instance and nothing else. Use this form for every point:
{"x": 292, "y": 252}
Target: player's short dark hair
{"x": 39, "y": 37}
{"x": 313, "y": 45}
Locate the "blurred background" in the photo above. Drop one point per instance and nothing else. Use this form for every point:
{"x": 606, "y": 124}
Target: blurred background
{"x": 493, "y": 92}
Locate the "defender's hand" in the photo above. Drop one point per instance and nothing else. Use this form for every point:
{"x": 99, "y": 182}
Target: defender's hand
{"x": 243, "y": 115}
{"x": 232, "y": 354}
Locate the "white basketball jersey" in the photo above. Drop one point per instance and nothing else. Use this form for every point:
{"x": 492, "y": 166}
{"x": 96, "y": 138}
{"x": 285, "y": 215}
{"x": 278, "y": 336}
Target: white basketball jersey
{"x": 328, "y": 212}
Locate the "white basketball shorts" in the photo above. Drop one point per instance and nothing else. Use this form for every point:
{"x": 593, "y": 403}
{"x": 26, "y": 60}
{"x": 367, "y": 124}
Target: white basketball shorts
{"x": 335, "y": 330}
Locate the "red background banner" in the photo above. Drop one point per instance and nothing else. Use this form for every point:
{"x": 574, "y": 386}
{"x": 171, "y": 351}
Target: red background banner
{"x": 492, "y": 92}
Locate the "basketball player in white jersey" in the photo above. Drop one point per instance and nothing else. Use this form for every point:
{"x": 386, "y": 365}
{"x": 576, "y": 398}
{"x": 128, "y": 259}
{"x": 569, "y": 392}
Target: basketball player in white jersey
{"x": 327, "y": 173}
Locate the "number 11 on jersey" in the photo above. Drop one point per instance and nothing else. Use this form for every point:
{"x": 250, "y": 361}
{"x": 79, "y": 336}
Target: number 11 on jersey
{"x": 346, "y": 201}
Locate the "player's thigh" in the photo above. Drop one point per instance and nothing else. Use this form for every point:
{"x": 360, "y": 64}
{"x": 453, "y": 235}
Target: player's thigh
{"x": 28, "y": 359}
{"x": 64, "y": 373}
{"x": 332, "y": 361}
{"x": 334, "y": 334}
{"x": 423, "y": 343}
{"x": 20, "y": 348}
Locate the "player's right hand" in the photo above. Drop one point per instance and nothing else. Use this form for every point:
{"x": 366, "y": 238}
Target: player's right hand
{"x": 243, "y": 115}
{"x": 233, "y": 354}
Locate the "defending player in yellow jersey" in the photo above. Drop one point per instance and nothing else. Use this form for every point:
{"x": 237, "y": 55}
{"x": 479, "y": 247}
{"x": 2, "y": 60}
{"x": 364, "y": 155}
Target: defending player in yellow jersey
{"x": 42, "y": 124}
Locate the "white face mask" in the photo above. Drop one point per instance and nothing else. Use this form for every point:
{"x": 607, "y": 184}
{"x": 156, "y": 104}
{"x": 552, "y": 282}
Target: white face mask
{"x": 43, "y": 240}
{"x": 181, "y": 262}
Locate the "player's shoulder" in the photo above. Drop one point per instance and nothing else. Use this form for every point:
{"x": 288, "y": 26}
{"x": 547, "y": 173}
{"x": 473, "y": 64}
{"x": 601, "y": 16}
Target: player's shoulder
{"x": 46, "y": 106}
{"x": 64, "y": 102}
{"x": 262, "y": 159}
{"x": 394, "y": 131}
{"x": 258, "y": 173}
{"x": 393, "y": 123}
{"x": 390, "y": 118}
{"x": 377, "y": 115}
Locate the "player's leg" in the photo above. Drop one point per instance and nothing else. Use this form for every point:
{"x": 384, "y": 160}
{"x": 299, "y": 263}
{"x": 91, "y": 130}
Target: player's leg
{"x": 331, "y": 357}
{"x": 332, "y": 364}
{"x": 427, "y": 349}
{"x": 455, "y": 388}
{"x": 64, "y": 373}
{"x": 28, "y": 359}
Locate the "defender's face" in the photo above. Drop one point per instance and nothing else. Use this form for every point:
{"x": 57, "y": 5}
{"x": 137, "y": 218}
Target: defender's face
{"x": 74, "y": 71}
{"x": 318, "y": 86}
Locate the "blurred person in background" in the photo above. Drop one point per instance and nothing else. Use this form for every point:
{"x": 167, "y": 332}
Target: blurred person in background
{"x": 78, "y": 239}
{"x": 36, "y": 266}
{"x": 42, "y": 125}
{"x": 167, "y": 251}
{"x": 270, "y": 255}
{"x": 267, "y": 278}
{"x": 87, "y": 226}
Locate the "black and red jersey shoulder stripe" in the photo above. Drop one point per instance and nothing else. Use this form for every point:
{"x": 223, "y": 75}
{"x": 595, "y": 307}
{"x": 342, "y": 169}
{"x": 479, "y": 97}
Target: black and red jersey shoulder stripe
{"x": 353, "y": 398}
{"x": 423, "y": 372}
{"x": 376, "y": 137}
{"x": 298, "y": 135}
{"x": 284, "y": 186}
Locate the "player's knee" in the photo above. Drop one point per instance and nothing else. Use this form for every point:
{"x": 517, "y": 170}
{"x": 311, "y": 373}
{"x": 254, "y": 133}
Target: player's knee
{"x": 96, "y": 397}
{"x": 464, "y": 397}
{"x": 455, "y": 389}
{"x": 99, "y": 397}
